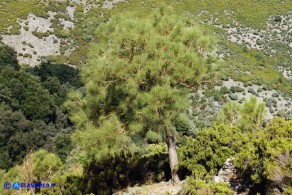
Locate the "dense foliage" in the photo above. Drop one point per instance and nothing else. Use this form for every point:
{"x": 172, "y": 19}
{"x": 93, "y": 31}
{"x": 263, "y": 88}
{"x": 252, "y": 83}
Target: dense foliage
{"x": 137, "y": 83}
{"x": 8, "y": 57}
{"x": 147, "y": 77}
{"x": 261, "y": 154}
{"x": 31, "y": 109}
{"x": 37, "y": 167}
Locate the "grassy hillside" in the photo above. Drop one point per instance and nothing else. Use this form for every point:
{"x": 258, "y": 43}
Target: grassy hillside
{"x": 254, "y": 39}
{"x": 44, "y": 102}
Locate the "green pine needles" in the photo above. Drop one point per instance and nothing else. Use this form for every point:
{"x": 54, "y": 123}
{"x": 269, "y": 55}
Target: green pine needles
{"x": 138, "y": 79}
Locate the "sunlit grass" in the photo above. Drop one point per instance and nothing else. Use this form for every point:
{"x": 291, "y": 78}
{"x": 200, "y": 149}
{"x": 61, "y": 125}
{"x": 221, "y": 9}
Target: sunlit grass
{"x": 248, "y": 13}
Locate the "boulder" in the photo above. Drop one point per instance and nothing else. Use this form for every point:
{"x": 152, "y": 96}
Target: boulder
{"x": 226, "y": 173}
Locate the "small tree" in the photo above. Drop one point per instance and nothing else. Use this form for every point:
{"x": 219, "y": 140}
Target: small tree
{"x": 137, "y": 80}
{"x": 8, "y": 57}
{"x": 248, "y": 117}
{"x": 252, "y": 115}
{"x": 229, "y": 114}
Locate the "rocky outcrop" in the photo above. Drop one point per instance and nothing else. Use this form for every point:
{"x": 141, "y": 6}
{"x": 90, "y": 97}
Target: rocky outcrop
{"x": 227, "y": 173}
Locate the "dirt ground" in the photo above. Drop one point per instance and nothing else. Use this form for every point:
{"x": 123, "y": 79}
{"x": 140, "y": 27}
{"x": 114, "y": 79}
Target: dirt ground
{"x": 162, "y": 188}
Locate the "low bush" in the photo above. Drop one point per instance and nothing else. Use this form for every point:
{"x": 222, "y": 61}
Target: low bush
{"x": 234, "y": 89}
{"x": 251, "y": 90}
{"x": 198, "y": 187}
{"x": 233, "y": 96}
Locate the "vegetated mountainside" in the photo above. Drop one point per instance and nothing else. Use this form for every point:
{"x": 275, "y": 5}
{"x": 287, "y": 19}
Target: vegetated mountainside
{"x": 53, "y": 39}
{"x": 257, "y": 53}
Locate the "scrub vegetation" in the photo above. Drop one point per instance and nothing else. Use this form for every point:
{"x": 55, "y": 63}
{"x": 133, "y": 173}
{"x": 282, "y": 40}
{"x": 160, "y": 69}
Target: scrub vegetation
{"x": 109, "y": 97}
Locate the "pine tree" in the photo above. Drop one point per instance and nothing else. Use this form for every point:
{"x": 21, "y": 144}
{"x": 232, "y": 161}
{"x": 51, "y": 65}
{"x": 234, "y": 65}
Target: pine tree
{"x": 137, "y": 80}
{"x": 252, "y": 115}
{"x": 229, "y": 114}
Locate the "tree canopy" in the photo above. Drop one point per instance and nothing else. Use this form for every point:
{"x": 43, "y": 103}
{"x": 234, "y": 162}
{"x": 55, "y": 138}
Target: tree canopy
{"x": 8, "y": 57}
{"x": 138, "y": 79}
{"x": 31, "y": 112}
{"x": 152, "y": 108}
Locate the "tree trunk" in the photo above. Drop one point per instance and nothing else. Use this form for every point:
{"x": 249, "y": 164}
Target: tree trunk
{"x": 173, "y": 160}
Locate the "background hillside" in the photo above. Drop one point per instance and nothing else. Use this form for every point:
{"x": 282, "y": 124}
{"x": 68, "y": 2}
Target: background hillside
{"x": 46, "y": 43}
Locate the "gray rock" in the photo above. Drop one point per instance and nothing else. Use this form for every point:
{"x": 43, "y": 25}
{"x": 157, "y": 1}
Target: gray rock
{"x": 217, "y": 179}
{"x": 226, "y": 173}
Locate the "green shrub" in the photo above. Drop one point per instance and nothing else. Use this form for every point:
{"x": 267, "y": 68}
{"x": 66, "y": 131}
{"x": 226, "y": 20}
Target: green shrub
{"x": 259, "y": 42}
{"x": 63, "y": 145}
{"x": 251, "y": 90}
{"x": 27, "y": 55}
{"x": 149, "y": 165}
{"x": 26, "y": 28}
{"x": 30, "y": 45}
{"x": 260, "y": 90}
{"x": 281, "y": 113}
{"x": 224, "y": 90}
{"x": 234, "y": 89}
{"x": 288, "y": 191}
{"x": 233, "y": 96}
{"x": 40, "y": 35}
{"x": 224, "y": 77}
{"x": 268, "y": 103}
{"x": 63, "y": 34}
{"x": 278, "y": 19}
{"x": 219, "y": 83}
{"x": 8, "y": 57}
{"x": 275, "y": 94}
{"x": 153, "y": 137}
{"x": 65, "y": 74}
{"x": 219, "y": 97}
{"x": 267, "y": 151}
{"x": 198, "y": 187}
{"x": 204, "y": 155}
